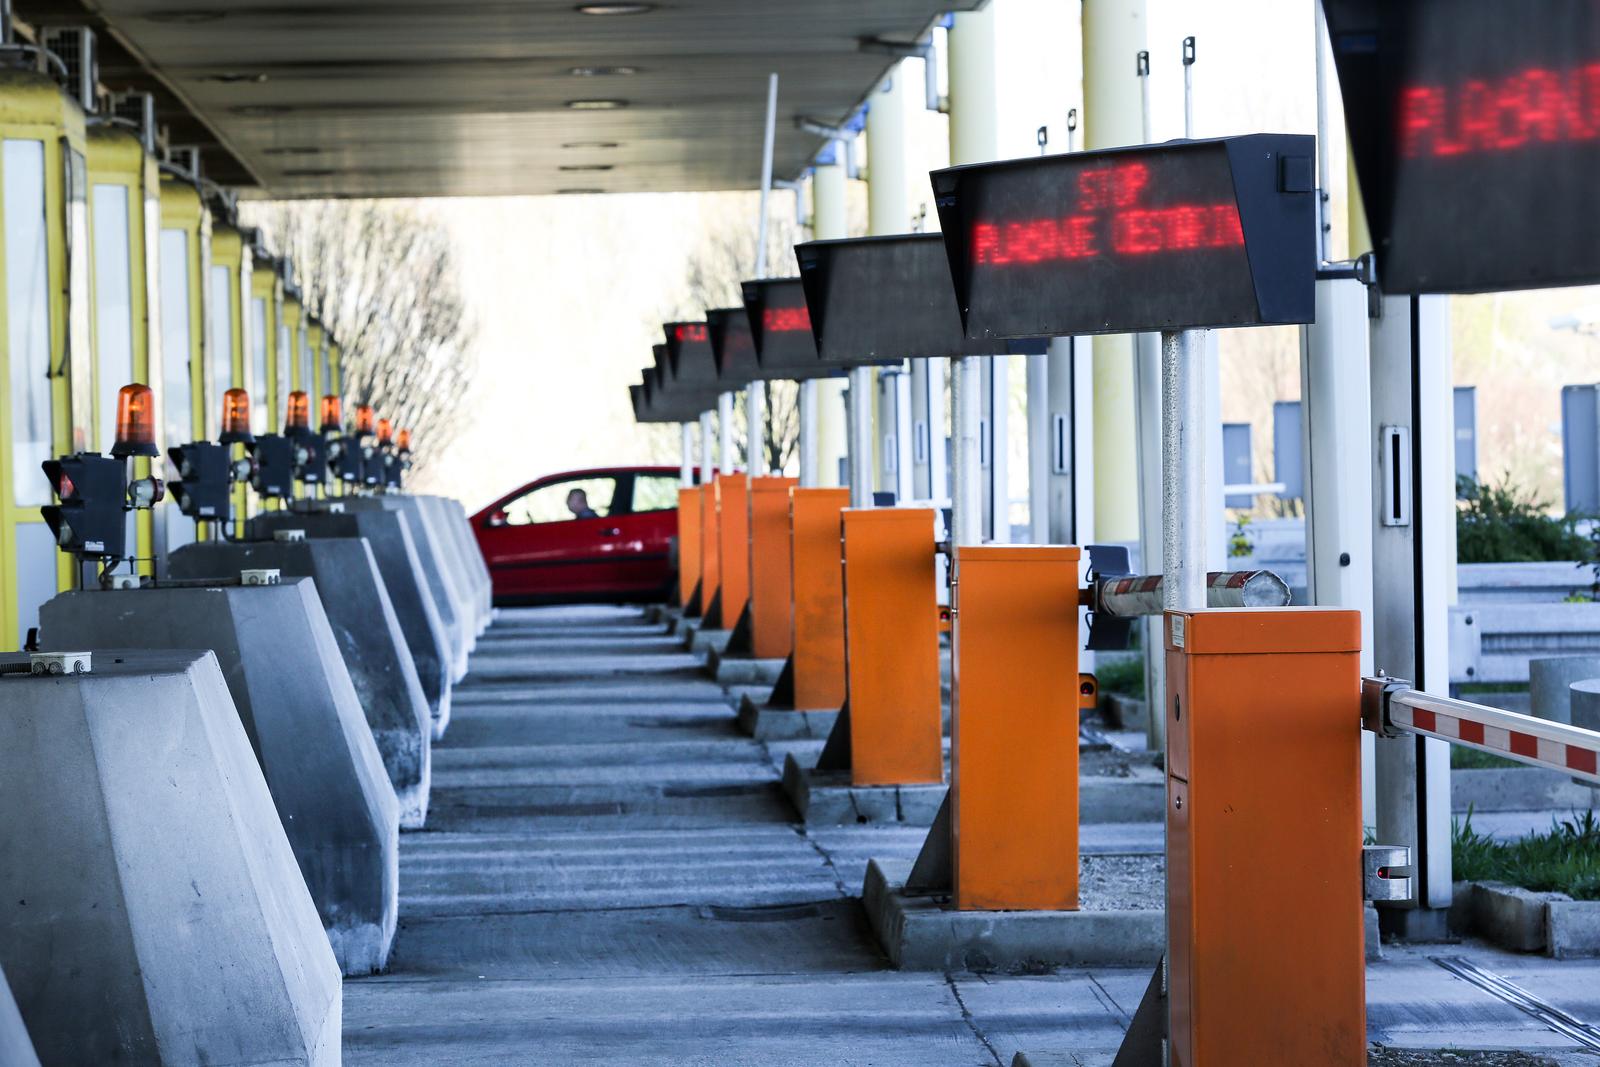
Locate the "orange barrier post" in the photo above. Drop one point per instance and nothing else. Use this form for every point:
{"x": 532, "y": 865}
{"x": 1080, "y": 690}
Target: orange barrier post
{"x": 769, "y": 567}
{"x": 688, "y": 545}
{"x": 1264, "y": 787}
{"x": 892, "y": 647}
{"x": 1014, "y": 739}
{"x": 710, "y": 569}
{"x": 733, "y": 550}
{"x": 818, "y": 626}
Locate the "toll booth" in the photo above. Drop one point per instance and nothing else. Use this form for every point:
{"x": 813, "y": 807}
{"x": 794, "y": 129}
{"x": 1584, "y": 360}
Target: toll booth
{"x": 44, "y": 180}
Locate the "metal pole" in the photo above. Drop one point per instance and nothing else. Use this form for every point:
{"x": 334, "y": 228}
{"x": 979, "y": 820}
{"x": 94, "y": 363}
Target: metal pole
{"x": 686, "y": 466}
{"x": 902, "y": 422}
{"x": 1324, "y": 204}
{"x": 1148, "y": 473}
{"x": 829, "y": 443}
{"x": 1183, "y": 467}
{"x": 808, "y": 434}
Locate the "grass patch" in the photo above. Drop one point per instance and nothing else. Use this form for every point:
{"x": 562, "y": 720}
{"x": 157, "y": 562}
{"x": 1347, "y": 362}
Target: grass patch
{"x": 1566, "y": 859}
{"x": 1463, "y": 758}
{"x": 1123, "y": 676}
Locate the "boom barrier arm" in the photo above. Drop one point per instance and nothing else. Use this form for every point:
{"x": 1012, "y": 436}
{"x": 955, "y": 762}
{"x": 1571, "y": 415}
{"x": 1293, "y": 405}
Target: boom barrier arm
{"x": 1392, "y": 708}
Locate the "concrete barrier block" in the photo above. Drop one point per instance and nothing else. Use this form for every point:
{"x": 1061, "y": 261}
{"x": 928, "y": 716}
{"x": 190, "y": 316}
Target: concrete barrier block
{"x": 829, "y": 798}
{"x": 356, "y": 602}
{"x": 741, "y": 670}
{"x": 460, "y": 524}
{"x": 299, "y": 709}
{"x": 766, "y": 723}
{"x": 1573, "y": 928}
{"x": 452, "y": 608}
{"x": 1512, "y": 917}
{"x": 1585, "y": 703}
{"x": 388, "y": 534}
{"x": 444, "y": 530}
{"x": 16, "y": 1047}
{"x": 920, "y": 933}
{"x": 1550, "y": 684}
{"x": 151, "y": 909}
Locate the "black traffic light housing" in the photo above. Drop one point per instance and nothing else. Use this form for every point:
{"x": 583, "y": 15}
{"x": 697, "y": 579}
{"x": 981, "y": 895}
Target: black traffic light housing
{"x": 310, "y": 457}
{"x": 274, "y": 472}
{"x": 203, "y": 477}
{"x": 92, "y": 490}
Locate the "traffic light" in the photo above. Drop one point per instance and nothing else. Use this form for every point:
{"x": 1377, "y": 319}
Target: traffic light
{"x": 91, "y": 489}
{"x": 310, "y": 458}
{"x": 274, "y": 456}
{"x": 203, "y": 475}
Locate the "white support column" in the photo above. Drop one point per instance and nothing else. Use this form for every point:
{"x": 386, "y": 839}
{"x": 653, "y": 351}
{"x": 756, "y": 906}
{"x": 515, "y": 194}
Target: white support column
{"x": 997, "y": 476}
{"x": 808, "y": 434}
{"x": 686, "y": 464}
{"x": 1113, "y": 34}
{"x": 828, "y": 190}
{"x": 902, "y": 420}
{"x": 859, "y": 405}
{"x": 967, "y": 489}
{"x": 755, "y": 406}
{"x": 1184, "y": 436}
{"x": 1336, "y": 446}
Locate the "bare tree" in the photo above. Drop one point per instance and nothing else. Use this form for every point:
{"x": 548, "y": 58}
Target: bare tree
{"x": 382, "y": 276}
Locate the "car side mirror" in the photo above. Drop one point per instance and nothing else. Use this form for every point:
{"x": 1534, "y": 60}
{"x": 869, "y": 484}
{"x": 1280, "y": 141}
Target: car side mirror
{"x": 497, "y": 518}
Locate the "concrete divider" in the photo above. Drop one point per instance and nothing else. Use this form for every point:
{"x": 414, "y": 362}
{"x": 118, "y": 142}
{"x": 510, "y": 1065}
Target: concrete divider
{"x": 16, "y": 1047}
{"x": 471, "y": 555}
{"x": 356, "y": 601}
{"x": 435, "y": 556}
{"x": 151, "y": 910}
{"x": 300, "y": 711}
{"x": 388, "y": 534}
{"x": 452, "y": 535}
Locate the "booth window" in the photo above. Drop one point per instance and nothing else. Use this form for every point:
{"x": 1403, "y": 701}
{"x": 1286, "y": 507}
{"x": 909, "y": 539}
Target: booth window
{"x": 27, "y": 319}
{"x": 258, "y": 365}
{"x": 178, "y": 398}
{"x": 221, "y": 312}
{"x": 113, "y": 301}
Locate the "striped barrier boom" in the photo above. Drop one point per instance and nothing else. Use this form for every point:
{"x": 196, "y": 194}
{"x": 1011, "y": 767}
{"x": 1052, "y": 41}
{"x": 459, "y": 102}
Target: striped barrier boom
{"x": 1392, "y": 708}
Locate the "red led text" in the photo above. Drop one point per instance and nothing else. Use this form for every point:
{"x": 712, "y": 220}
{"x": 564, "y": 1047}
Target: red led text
{"x": 1533, "y": 107}
{"x": 785, "y": 320}
{"x": 1109, "y": 221}
{"x": 689, "y": 333}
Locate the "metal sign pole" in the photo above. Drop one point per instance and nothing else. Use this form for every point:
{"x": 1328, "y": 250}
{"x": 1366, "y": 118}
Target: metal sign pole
{"x": 686, "y": 465}
{"x": 708, "y": 463}
{"x": 859, "y": 419}
{"x": 725, "y": 432}
{"x": 756, "y": 393}
{"x": 1183, "y": 470}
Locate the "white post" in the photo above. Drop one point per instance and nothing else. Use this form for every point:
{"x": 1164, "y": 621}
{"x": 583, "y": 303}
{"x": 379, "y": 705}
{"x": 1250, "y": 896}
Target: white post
{"x": 859, "y": 414}
{"x": 725, "y": 431}
{"x": 966, "y": 502}
{"x": 1184, "y": 514}
{"x": 830, "y": 440}
{"x": 808, "y": 433}
{"x": 1038, "y": 391}
{"x": 997, "y": 409}
{"x": 686, "y": 465}
{"x": 708, "y": 461}
{"x": 756, "y": 392}
{"x": 902, "y": 423}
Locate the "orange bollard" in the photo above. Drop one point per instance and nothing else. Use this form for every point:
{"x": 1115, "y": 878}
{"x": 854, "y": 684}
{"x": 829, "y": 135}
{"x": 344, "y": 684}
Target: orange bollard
{"x": 769, "y": 567}
{"x": 1014, "y": 734}
{"x": 892, "y": 647}
{"x": 818, "y": 623}
{"x": 733, "y": 550}
{"x": 1264, "y": 788}
{"x": 710, "y": 570}
{"x": 688, "y": 545}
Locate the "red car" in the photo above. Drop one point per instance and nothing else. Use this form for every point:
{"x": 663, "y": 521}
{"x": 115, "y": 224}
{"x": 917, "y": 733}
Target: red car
{"x": 596, "y": 535}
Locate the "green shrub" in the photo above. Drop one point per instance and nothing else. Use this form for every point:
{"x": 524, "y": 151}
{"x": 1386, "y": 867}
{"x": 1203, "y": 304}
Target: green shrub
{"x": 1564, "y": 860}
{"x": 1123, "y": 676}
{"x": 1502, "y": 524}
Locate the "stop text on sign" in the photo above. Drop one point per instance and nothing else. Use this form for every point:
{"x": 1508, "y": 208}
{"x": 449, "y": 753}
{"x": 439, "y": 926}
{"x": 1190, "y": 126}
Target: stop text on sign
{"x": 1535, "y": 106}
{"x": 786, "y": 320}
{"x": 1110, "y": 221}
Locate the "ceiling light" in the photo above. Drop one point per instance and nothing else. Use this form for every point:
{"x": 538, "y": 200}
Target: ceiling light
{"x": 596, "y": 105}
{"x": 586, "y": 166}
{"x": 591, "y": 144}
{"x": 614, "y": 9}
{"x": 236, "y": 77}
{"x": 600, "y": 72}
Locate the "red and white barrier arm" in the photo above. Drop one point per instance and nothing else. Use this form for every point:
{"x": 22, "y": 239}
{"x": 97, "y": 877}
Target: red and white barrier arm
{"x": 1391, "y": 708}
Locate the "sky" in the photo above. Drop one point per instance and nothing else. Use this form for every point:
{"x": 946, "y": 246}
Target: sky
{"x": 568, "y": 292}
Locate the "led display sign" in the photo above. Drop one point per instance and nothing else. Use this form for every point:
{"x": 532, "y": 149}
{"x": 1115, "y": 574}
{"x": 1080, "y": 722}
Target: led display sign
{"x": 780, "y": 328}
{"x": 1475, "y": 127}
{"x": 689, "y": 353}
{"x": 1181, "y": 235}
{"x": 884, "y": 299}
{"x": 732, "y": 345}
